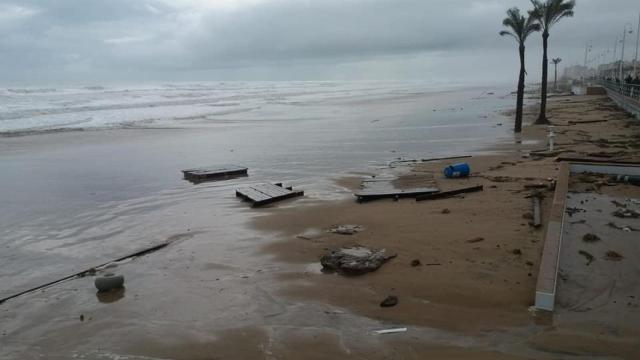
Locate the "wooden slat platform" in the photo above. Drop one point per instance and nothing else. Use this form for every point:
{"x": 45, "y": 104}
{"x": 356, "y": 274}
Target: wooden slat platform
{"x": 263, "y": 194}
{"x": 394, "y": 187}
{"x": 216, "y": 172}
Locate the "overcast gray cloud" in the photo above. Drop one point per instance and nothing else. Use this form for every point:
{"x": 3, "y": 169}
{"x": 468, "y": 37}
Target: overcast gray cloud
{"x": 440, "y": 40}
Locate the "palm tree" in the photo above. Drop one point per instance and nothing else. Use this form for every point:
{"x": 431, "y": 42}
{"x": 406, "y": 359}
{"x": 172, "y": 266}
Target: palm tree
{"x": 547, "y": 14}
{"x": 555, "y": 63}
{"x": 520, "y": 27}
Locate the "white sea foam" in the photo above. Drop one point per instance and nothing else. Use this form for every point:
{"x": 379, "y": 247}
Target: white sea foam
{"x": 174, "y": 104}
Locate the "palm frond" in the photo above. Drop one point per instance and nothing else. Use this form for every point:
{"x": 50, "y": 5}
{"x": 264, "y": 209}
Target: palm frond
{"x": 550, "y": 12}
{"x": 520, "y": 26}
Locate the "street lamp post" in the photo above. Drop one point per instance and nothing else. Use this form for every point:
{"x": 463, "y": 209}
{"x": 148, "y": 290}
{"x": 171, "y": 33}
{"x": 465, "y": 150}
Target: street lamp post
{"x": 635, "y": 62}
{"x": 624, "y": 38}
{"x": 587, "y": 50}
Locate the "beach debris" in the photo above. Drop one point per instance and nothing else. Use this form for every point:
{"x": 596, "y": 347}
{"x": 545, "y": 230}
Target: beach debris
{"x": 90, "y": 270}
{"x": 588, "y": 256}
{"x": 389, "y": 301}
{"x": 590, "y": 238}
{"x": 81, "y": 317}
{"x": 355, "y": 260}
{"x": 460, "y": 170}
{"x": 391, "y": 164}
{"x": 475, "y": 240}
{"x": 626, "y": 214}
{"x": 572, "y": 122}
{"x": 573, "y": 210}
{"x": 391, "y": 186}
{"x": 109, "y": 282}
{"x": 536, "y": 186}
{"x": 613, "y": 225}
{"x": 450, "y": 193}
{"x": 516, "y": 252}
{"x": 527, "y": 216}
{"x": 390, "y": 331}
{"x": 218, "y": 172}
{"x": 345, "y": 229}
{"x": 446, "y": 211}
{"x": 415, "y": 262}
{"x": 263, "y": 194}
{"x": 613, "y": 256}
{"x": 618, "y": 204}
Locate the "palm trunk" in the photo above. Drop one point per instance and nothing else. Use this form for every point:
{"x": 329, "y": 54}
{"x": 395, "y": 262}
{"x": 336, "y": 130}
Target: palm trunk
{"x": 542, "y": 118}
{"x": 520, "y": 96}
{"x": 555, "y": 77}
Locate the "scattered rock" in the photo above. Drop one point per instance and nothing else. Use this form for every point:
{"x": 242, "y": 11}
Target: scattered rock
{"x": 613, "y": 256}
{"x": 345, "y": 229}
{"x": 529, "y": 263}
{"x": 81, "y": 317}
{"x": 588, "y": 256}
{"x": 528, "y": 216}
{"x": 475, "y": 240}
{"x": 415, "y": 262}
{"x": 356, "y": 260}
{"x": 446, "y": 211}
{"x": 389, "y": 301}
{"x": 109, "y": 282}
{"x": 591, "y": 238}
{"x": 516, "y": 252}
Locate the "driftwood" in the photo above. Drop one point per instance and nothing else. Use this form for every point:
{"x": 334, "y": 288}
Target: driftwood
{"x": 447, "y": 194}
{"x": 86, "y": 272}
{"x": 586, "y": 122}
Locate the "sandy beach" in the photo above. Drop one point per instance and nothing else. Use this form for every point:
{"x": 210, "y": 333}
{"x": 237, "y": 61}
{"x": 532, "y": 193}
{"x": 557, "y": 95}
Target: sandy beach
{"x": 257, "y": 292}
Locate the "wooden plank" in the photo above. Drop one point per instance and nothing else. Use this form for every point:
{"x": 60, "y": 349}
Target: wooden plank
{"x": 446, "y": 194}
{"x": 388, "y": 186}
{"x": 214, "y": 172}
{"x": 372, "y": 194}
{"x": 262, "y": 194}
{"x": 252, "y": 194}
{"x": 271, "y": 190}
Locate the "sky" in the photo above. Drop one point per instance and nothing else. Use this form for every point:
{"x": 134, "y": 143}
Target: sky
{"x": 442, "y": 41}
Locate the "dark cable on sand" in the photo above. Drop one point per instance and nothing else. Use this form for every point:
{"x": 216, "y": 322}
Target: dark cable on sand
{"x": 87, "y": 271}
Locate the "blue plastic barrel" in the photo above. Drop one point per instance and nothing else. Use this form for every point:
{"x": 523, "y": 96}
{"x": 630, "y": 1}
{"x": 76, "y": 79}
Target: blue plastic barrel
{"x": 457, "y": 170}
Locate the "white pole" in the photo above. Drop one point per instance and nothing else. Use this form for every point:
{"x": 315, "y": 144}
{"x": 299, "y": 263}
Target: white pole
{"x": 635, "y": 62}
{"x": 624, "y": 38}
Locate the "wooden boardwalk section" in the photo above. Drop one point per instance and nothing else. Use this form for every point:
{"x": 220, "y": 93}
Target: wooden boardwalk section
{"x": 394, "y": 187}
{"x": 217, "y": 172}
{"x": 263, "y": 194}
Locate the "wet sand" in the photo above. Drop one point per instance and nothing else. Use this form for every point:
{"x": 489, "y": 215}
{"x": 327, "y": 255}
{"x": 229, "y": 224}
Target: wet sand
{"x": 466, "y": 285}
{"x": 258, "y": 293}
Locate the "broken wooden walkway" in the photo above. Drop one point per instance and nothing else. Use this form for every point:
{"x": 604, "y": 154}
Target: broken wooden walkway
{"x": 396, "y": 187}
{"x": 216, "y": 172}
{"x": 263, "y": 194}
